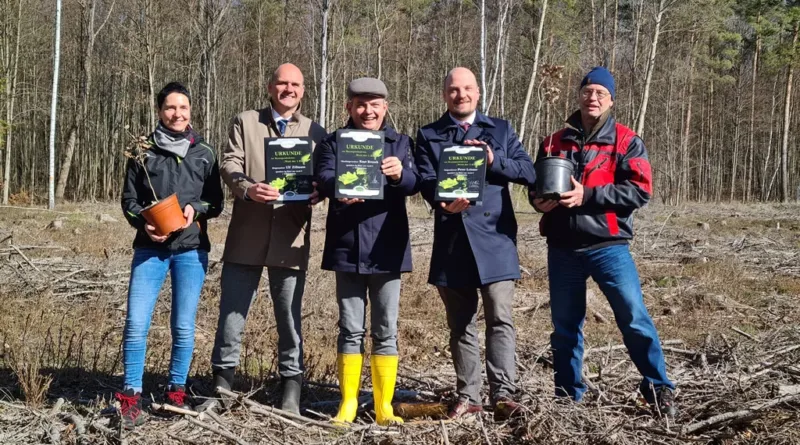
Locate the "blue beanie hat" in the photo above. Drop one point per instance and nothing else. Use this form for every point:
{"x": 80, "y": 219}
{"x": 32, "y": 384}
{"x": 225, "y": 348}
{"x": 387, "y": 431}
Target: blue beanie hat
{"x": 600, "y": 76}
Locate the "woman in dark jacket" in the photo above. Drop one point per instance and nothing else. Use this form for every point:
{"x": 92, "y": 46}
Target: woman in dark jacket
{"x": 177, "y": 161}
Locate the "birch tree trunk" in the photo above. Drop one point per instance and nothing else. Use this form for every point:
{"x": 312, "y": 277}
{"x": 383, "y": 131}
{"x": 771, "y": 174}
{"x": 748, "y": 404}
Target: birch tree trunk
{"x": 786, "y": 118}
{"x": 651, "y": 62}
{"x": 483, "y": 55}
{"x": 323, "y": 77}
{"x": 532, "y": 82}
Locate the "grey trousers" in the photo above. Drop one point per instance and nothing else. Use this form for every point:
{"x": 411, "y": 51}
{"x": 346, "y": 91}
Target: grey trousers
{"x": 239, "y": 291}
{"x": 351, "y": 293}
{"x": 462, "y": 307}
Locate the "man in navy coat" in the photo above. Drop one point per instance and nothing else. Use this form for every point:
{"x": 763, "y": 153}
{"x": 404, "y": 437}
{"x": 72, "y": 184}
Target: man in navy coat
{"x": 475, "y": 244}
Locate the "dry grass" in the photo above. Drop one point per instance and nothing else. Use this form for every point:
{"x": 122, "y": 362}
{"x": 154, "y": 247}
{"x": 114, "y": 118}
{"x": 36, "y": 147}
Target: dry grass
{"x": 65, "y": 323}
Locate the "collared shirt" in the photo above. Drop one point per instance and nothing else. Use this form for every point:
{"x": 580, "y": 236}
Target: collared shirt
{"x": 276, "y": 116}
{"x": 469, "y": 120}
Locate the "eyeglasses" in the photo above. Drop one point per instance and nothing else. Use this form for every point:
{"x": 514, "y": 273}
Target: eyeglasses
{"x": 587, "y": 94}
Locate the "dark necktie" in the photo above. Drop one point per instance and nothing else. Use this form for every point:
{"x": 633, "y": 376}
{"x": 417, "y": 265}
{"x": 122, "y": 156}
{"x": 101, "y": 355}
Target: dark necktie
{"x": 281, "y": 126}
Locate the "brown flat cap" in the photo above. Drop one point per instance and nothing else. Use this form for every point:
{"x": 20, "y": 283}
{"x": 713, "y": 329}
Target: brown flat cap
{"x": 367, "y": 86}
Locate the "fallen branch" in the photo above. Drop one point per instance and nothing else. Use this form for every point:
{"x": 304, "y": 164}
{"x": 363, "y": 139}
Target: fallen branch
{"x": 619, "y": 347}
{"x": 736, "y": 415}
{"x": 174, "y": 409}
{"x": 28, "y": 260}
{"x": 278, "y": 414}
{"x": 444, "y": 433}
{"x": 745, "y": 334}
{"x": 221, "y": 432}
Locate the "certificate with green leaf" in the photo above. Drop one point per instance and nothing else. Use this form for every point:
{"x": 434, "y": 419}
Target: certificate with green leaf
{"x": 359, "y": 154}
{"x": 462, "y": 173}
{"x": 289, "y": 167}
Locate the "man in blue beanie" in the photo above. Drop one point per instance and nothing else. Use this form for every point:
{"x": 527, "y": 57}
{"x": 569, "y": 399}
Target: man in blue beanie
{"x": 588, "y": 230}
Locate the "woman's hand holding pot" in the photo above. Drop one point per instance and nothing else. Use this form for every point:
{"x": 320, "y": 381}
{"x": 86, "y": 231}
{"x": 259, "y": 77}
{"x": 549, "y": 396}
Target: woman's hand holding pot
{"x": 188, "y": 213}
{"x": 151, "y": 232}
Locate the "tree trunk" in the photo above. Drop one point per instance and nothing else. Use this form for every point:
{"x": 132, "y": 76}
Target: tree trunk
{"x": 614, "y": 37}
{"x": 260, "y": 37}
{"x": 483, "y": 55}
{"x": 532, "y": 82}
{"x": 53, "y": 102}
{"x": 735, "y": 157}
{"x": 501, "y": 38}
{"x": 323, "y": 77}
{"x": 86, "y": 84}
{"x": 11, "y": 86}
{"x": 636, "y": 34}
{"x": 786, "y": 118}
{"x": 765, "y": 170}
{"x": 651, "y": 63}
{"x": 151, "y": 60}
{"x": 683, "y": 192}
{"x": 751, "y": 144}
{"x": 595, "y": 45}
{"x": 503, "y": 59}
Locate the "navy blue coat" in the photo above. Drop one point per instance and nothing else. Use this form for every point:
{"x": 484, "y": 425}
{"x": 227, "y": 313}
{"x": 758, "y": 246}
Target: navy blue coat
{"x": 372, "y": 236}
{"x": 479, "y": 245}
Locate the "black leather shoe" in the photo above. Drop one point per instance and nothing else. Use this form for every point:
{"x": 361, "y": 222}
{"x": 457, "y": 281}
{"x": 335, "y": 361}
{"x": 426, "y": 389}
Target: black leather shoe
{"x": 223, "y": 378}
{"x": 290, "y": 390}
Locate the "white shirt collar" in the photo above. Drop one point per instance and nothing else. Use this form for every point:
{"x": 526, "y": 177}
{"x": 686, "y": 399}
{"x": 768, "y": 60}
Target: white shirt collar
{"x": 469, "y": 120}
{"x": 276, "y": 116}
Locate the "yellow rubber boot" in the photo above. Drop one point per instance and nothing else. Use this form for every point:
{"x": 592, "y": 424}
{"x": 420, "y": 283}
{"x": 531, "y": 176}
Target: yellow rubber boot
{"x": 349, "y": 370}
{"x": 384, "y": 376}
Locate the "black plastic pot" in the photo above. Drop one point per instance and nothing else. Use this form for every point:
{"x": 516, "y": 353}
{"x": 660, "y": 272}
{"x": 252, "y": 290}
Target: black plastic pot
{"x": 552, "y": 177}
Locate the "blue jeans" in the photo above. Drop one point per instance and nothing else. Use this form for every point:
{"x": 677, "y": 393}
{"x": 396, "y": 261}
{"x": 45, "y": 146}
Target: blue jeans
{"x": 613, "y": 270}
{"x": 148, "y": 271}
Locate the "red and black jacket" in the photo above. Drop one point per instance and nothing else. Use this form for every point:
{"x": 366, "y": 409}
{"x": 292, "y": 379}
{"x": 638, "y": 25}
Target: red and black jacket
{"x": 615, "y": 172}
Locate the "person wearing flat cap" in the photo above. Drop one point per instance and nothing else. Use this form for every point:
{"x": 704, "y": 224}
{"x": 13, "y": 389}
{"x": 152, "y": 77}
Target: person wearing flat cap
{"x": 588, "y": 231}
{"x": 367, "y": 245}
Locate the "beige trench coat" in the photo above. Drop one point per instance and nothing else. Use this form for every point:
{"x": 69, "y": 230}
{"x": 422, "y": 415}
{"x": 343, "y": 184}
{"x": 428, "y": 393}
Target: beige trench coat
{"x": 263, "y": 234}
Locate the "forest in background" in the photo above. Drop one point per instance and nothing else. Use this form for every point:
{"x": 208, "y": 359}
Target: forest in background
{"x": 709, "y": 84}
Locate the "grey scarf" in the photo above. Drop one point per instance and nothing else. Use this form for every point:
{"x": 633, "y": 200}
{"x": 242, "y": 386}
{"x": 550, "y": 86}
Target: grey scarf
{"x": 176, "y": 143}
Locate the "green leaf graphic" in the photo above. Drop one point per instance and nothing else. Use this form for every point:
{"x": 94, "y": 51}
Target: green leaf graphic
{"x": 377, "y": 153}
{"x": 348, "y": 178}
{"x": 478, "y": 163}
{"x": 305, "y": 158}
{"x": 448, "y": 183}
{"x": 278, "y": 183}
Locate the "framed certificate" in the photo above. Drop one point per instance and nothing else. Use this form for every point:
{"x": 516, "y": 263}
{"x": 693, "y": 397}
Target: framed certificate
{"x": 358, "y": 164}
{"x": 462, "y": 173}
{"x": 289, "y": 167}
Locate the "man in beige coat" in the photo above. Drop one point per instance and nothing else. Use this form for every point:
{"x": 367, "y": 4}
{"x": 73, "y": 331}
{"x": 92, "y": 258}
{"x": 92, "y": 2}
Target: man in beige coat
{"x": 262, "y": 233}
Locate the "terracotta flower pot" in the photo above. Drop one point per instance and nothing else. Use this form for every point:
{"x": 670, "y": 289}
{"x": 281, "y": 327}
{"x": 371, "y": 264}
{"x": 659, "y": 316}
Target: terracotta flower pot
{"x": 165, "y": 215}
